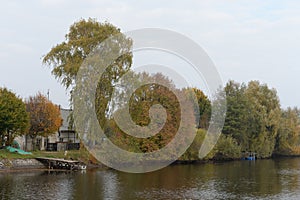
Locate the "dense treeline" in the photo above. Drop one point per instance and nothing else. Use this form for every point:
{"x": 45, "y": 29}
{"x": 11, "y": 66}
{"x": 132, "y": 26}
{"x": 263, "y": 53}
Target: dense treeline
{"x": 142, "y": 107}
{"x": 255, "y": 121}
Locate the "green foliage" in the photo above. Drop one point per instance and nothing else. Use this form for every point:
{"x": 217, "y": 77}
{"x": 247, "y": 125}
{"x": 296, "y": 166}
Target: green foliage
{"x": 288, "y": 138}
{"x": 83, "y": 37}
{"x": 253, "y": 116}
{"x": 226, "y": 148}
{"x": 263, "y": 119}
{"x": 237, "y": 112}
{"x": 192, "y": 152}
{"x": 14, "y": 120}
{"x": 203, "y": 109}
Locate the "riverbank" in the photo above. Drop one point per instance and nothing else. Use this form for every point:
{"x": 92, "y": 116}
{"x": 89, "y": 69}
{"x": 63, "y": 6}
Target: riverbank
{"x": 14, "y": 161}
{"x": 31, "y": 164}
{"x": 20, "y": 164}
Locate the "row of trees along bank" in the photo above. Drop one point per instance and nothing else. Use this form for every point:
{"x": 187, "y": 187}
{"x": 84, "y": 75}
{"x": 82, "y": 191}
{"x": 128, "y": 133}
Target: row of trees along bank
{"x": 254, "y": 122}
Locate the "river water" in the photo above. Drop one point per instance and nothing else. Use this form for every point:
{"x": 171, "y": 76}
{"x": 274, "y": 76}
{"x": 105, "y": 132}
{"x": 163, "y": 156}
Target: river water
{"x": 260, "y": 179}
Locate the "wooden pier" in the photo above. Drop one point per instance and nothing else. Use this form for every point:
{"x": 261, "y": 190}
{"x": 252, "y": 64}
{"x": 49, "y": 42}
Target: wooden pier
{"x": 57, "y": 163}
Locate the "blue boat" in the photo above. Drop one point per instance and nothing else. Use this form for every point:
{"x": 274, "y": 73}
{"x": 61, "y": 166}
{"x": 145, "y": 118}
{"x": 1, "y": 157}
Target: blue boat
{"x": 249, "y": 156}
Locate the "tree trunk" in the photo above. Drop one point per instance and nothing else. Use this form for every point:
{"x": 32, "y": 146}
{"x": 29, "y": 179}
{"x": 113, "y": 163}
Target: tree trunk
{"x": 2, "y": 139}
{"x": 33, "y": 143}
{"x": 25, "y": 142}
{"x": 7, "y": 139}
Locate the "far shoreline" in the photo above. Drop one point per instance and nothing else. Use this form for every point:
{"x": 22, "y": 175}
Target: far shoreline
{"x": 33, "y": 165}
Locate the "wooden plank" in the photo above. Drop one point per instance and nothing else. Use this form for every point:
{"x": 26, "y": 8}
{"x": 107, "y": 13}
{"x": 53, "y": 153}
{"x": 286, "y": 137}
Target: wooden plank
{"x": 58, "y": 163}
{"x": 58, "y": 159}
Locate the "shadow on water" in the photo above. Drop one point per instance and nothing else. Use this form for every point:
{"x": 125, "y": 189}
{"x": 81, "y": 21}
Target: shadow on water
{"x": 260, "y": 179}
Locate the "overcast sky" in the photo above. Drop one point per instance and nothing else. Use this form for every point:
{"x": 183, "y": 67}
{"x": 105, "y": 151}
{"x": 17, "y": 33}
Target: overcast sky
{"x": 246, "y": 39}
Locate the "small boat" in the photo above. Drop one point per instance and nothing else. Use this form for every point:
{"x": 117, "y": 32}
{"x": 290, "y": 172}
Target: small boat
{"x": 249, "y": 156}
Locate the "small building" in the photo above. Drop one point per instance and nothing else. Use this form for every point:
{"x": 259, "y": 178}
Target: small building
{"x": 65, "y": 138}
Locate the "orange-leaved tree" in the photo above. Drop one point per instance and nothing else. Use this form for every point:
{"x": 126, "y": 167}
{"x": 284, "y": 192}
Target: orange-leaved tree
{"x": 45, "y": 117}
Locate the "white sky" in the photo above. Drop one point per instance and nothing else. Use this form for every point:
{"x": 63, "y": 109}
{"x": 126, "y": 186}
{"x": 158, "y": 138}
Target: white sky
{"x": 247, "y": 39}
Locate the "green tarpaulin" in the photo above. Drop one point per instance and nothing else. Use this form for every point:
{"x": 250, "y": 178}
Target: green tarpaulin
{"x": 19, "y": 151}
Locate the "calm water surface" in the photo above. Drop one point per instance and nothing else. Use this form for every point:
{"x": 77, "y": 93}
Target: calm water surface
{"x": 262, "y": 179}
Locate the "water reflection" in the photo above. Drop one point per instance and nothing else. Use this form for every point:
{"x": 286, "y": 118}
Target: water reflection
{"x": 96, "y": 185}
{"x": 262, "y": 179}
{"x": 35, "y": 185}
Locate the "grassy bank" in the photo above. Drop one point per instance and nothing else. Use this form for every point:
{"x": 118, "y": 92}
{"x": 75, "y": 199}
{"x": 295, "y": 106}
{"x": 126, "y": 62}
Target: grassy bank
{"x": 81, "y": 155}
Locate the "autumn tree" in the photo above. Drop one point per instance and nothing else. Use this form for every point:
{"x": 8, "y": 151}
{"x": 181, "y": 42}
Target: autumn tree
{"x": 45, "y": 118}
{"x": 152, "y": 94}
{"x": 156, "y": 89}
{"x": 14, "y": 119}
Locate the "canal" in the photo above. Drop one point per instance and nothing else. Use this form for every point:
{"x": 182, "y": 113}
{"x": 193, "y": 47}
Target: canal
{"x": 260, "y": 179}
